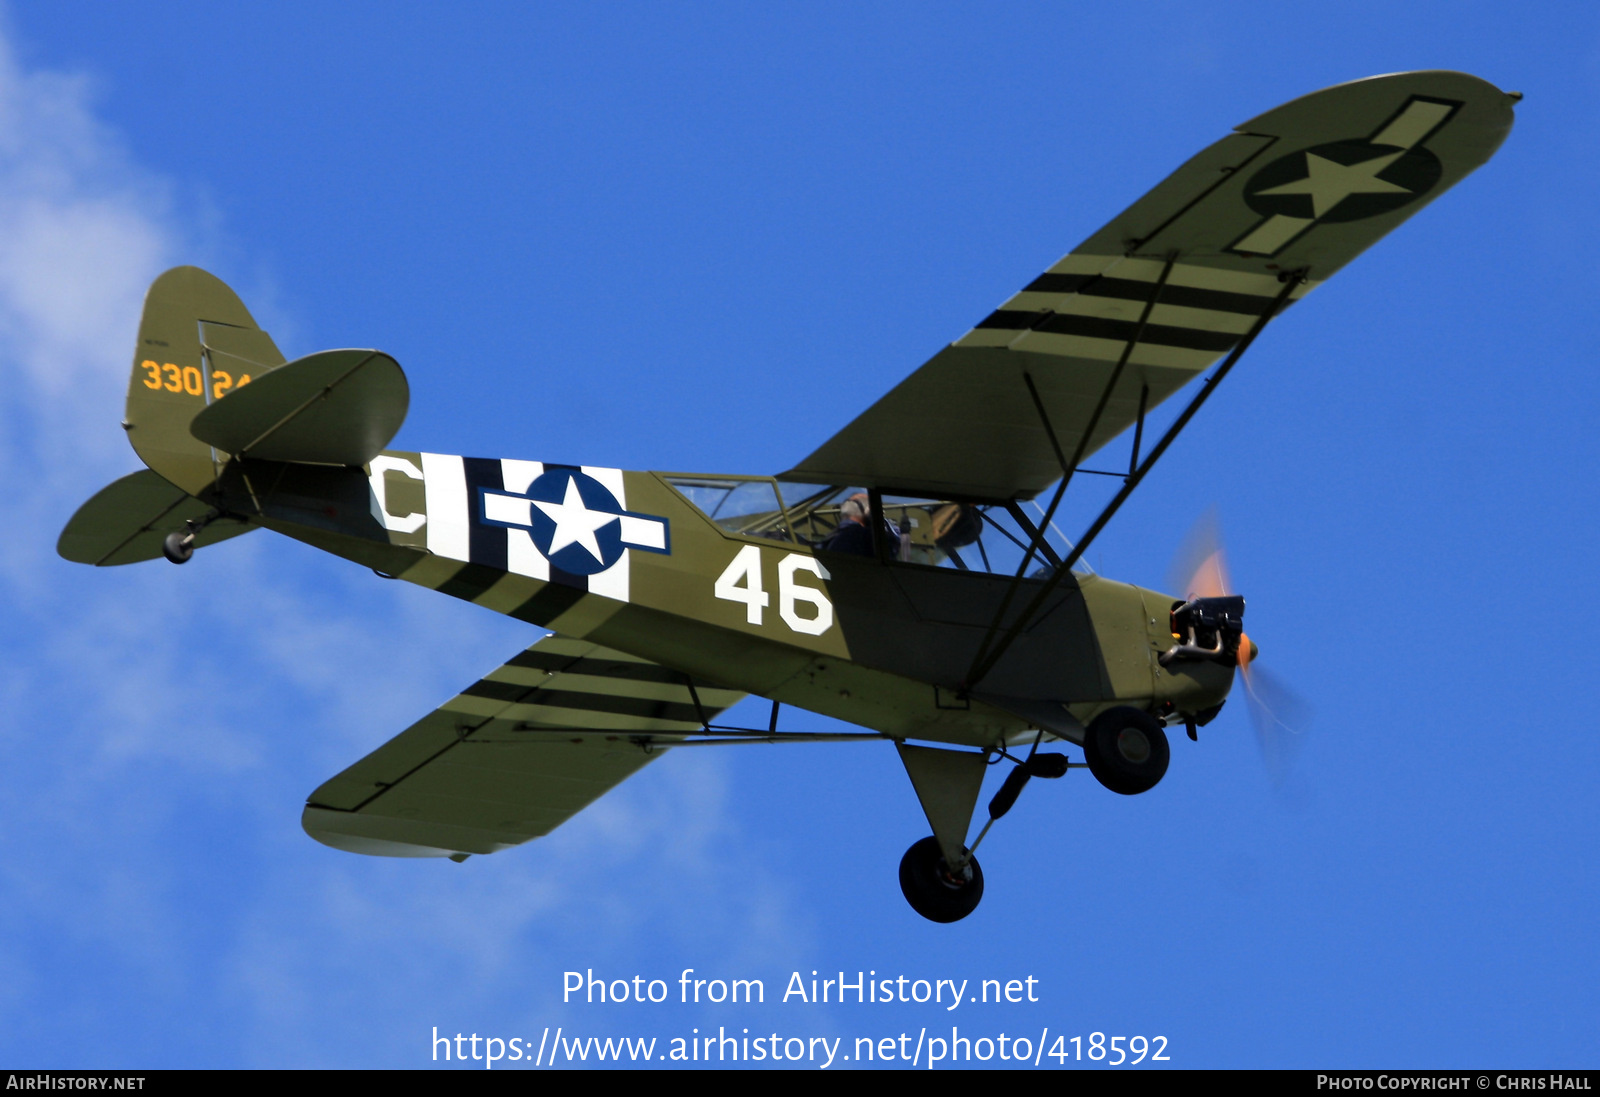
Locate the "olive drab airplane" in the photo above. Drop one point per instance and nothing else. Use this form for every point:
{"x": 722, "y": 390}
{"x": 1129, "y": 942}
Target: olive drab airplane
{"x": 907, "y": 577}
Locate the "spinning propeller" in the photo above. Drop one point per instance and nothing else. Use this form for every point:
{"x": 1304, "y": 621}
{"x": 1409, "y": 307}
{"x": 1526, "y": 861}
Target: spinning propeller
{"x": 1280, "y": 716}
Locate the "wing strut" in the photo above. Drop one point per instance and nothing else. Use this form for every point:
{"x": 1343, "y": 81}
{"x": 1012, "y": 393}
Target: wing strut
{"x": 1138, "y": 430}
{"x": 984, "y": 662}
{"x": 1068, "y": 467}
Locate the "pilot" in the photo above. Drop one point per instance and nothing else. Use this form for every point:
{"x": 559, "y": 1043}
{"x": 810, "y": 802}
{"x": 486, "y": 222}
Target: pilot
{"x": 853, "y": 535}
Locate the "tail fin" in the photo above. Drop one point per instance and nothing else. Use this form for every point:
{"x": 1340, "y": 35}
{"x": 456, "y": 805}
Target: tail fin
{"x": 197, "y": 342}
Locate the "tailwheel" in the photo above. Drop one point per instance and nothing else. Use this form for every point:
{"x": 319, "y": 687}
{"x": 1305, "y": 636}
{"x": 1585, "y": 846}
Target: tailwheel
{"x": 178, "y": 546}
{"x": 1126, "y": 750}
{"x": 933, "y": 890}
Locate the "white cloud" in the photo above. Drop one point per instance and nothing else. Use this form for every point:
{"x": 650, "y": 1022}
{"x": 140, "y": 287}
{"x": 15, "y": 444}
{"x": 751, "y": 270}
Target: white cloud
{"x": 85, "y": 231}
{"x": 161, "y": 725}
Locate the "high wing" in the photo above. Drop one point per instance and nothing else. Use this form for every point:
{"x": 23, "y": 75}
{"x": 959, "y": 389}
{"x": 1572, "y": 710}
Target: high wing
{"x": 1169, "y": 286}
{"x": 511, "y": 757}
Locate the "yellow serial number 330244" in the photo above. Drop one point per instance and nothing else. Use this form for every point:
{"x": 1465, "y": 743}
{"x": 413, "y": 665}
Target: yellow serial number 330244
{"x": 187, "y": 379}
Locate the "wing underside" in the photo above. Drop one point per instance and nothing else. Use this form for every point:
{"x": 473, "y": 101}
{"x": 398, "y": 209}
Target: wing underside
{"x": 1168, "y": 287}
{"x": 511, "y": 757}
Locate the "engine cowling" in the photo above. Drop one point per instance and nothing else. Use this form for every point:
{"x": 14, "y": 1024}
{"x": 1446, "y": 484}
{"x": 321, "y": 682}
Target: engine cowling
{"x": 1209, "y": 629}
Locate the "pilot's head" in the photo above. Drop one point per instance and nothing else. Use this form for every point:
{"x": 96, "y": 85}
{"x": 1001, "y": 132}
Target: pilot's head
{"x": 855, "y": 509}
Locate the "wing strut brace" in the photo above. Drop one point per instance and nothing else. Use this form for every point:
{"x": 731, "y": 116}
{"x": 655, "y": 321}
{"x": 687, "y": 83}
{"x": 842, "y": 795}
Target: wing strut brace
{"x": 986, "y": 658}
{"x": 714, "y": 734}
{"x": 1067, "y": 468}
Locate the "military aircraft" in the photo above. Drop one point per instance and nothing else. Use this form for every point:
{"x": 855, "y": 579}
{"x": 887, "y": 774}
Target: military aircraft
{"x": 908, "y": 577}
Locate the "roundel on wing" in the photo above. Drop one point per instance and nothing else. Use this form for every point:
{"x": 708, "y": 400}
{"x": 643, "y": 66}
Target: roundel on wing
{"x": 1342, "y": 181}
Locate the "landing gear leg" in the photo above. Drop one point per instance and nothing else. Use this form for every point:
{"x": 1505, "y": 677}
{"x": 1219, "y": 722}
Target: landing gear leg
{"x": 938, "y": 875}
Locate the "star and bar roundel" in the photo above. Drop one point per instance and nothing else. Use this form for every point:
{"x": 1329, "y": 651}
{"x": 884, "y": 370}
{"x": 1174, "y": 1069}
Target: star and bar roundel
{"x": 573, "y": 520}
{"x": 563, "y": 524}
{"x": 1345, "y": 180}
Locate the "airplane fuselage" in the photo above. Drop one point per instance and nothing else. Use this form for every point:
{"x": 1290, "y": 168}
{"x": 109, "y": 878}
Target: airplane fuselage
{"x": 624, "y": 559}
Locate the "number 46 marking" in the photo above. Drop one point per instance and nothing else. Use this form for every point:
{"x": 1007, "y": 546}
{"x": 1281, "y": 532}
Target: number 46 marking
{"x": 740, "y": 581}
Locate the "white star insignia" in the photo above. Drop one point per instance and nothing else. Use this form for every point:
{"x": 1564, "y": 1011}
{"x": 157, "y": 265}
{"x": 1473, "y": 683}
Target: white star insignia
{"x": 575, "y": 523}
{"x": 1329, "y": 182}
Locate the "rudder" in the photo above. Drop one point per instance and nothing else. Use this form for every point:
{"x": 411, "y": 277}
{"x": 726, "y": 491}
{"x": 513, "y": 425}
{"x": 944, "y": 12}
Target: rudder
{"x": 197, "y": 342}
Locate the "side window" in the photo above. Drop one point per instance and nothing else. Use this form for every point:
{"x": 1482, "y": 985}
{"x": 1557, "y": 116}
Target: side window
{"x": 829, "y": 517}
{"x": 745, "y": 506}
{"x": 941, "y": 533}
{"x": 988, "y": 537}
{"x": 935, "y": 531}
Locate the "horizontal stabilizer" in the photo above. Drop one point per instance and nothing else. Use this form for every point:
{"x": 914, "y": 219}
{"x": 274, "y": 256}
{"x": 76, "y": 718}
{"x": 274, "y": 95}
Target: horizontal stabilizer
{"x": 336, "y": 407}
{"x": 127, "y": 522}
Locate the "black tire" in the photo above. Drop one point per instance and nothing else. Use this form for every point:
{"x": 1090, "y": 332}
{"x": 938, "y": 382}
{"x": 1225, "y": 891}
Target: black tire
{"x": 178, "y": 547}
{"x": 928, "y": 886}
{"x": 1127, "y": 750}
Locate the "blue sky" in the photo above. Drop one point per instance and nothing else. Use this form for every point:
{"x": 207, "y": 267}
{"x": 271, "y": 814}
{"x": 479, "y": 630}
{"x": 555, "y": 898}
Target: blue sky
{"x": 653, "y": 236}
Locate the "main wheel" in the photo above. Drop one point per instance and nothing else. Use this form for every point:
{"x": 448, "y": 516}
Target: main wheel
{"x": 178, "y": 547}
{"x": 933, "y": 890}
{"x": 1126, "y": 750}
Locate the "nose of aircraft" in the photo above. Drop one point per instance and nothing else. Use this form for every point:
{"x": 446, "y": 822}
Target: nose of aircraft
{"x": 1278, "y": 714}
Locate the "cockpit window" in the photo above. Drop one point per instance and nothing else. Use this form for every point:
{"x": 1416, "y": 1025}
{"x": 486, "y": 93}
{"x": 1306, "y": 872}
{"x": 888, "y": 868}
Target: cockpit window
{"x": 816, "y": 511}
{"x": 943, "y": 533}
{"x": 741, "y": 505}
{"x": 989, "y": 537}
{"x": 986, "y": 537}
